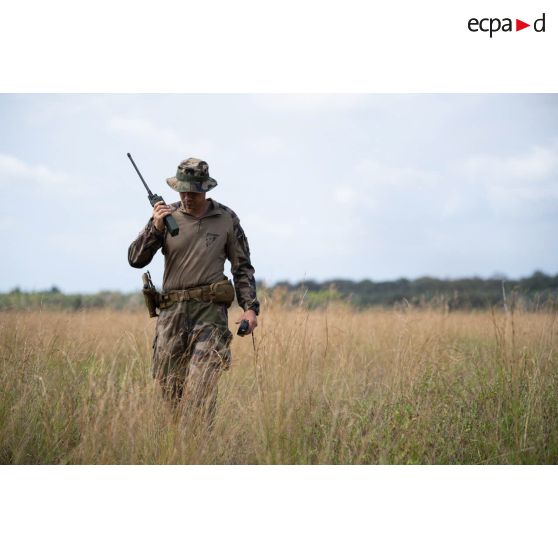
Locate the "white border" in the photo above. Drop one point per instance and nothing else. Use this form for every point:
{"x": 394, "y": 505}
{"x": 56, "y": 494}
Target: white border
{"x": 304, "y": 46}
{"x": 277, "y": 511}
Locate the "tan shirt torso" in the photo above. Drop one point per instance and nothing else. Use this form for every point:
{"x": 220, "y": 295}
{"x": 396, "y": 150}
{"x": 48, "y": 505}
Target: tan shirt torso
{"x": 197, "y": 254}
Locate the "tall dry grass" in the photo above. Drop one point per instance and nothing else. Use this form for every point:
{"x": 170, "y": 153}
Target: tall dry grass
{"x": 335, "y": 386}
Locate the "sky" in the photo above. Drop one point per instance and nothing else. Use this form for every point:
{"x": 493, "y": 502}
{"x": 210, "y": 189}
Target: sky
{"x": 326, "y": 186}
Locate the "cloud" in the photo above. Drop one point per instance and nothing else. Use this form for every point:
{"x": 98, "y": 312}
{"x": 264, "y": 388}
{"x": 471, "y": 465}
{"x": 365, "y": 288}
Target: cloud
{"x": 389, "y": 192}
{"x": 538, "y": 164}
{"x": 519, "y": 182}
{"x": 313, "y": 103}
{"x": 167, "y": 138}
{"x": 39, "y": 179}
{"x": 278, "y": 230}
{"x": 8, "y": 223}
{"x": 345, "y": 195}
{"x": 522, "y": 185}
{"x": 382, "y": 175}
{"x": 143, "y": 128}
{"x": 12, "y": 167}
{"x": 266, "y": 145}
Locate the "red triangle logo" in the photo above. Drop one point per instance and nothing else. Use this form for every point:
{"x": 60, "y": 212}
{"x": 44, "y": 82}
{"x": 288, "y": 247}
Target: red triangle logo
{"x": 519, "y": 25}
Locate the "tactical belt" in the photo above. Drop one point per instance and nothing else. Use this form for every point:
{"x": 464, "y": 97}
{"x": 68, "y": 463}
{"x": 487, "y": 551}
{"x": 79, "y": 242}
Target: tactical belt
{"x": 221, "y": 292}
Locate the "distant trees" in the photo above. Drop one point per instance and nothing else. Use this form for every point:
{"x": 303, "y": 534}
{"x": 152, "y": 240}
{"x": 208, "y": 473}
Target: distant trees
{"x": 53, "y": 298}
{"x": 530, "y": 293}
{"x": 465, "y": 293}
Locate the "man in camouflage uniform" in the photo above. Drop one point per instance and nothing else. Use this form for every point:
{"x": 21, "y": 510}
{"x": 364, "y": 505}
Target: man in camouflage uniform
{"x": 192, "y": 339}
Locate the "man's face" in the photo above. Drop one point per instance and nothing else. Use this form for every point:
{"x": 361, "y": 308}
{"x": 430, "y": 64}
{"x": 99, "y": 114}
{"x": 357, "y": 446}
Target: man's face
{"x": 193, "y": 202}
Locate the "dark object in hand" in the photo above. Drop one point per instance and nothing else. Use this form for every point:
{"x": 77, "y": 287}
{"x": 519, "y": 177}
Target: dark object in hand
{"x": 170, "y": 223}
{"x": 243, "y": 328}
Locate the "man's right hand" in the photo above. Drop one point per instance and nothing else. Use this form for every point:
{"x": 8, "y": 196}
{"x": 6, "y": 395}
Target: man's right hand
{"x": 160, "y": 211}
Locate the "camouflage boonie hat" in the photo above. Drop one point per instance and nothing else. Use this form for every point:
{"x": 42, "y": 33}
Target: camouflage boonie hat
{"x": 192, "y": 175}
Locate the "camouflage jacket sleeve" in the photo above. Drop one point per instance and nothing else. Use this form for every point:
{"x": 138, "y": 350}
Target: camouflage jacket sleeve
{"x": 238, "y": 253}
{"x": 145, "y": 246}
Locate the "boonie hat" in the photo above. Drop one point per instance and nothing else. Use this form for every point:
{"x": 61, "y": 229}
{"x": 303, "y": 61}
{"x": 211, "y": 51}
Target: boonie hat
{"x": 192, "y": 175}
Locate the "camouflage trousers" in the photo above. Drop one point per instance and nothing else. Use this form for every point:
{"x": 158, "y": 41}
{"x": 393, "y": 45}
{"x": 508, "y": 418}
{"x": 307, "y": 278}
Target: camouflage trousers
{"x": 190, "y": 350}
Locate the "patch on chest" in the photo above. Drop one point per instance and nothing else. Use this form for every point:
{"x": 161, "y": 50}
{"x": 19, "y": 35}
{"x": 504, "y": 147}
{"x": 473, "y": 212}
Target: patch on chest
{"x": 210, "y": 238}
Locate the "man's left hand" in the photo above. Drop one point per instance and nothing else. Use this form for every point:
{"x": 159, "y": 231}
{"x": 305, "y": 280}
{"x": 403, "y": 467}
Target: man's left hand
{"x": 249, "y": 315}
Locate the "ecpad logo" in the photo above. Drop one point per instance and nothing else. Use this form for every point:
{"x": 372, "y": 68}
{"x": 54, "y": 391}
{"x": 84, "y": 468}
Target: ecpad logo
{"x": 493, "y": 25}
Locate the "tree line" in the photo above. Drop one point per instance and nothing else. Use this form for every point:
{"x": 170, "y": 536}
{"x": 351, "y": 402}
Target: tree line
{"x": 531, "y": 293}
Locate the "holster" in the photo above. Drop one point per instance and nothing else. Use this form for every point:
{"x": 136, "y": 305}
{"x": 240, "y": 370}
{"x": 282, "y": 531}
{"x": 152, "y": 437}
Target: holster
{"x": 151, "y": 297}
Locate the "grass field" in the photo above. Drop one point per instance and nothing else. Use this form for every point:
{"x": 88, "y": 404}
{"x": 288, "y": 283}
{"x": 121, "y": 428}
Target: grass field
{"x": 324, "y": 386}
